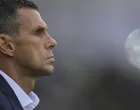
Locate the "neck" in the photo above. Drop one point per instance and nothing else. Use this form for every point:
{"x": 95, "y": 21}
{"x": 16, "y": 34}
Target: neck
{"x": 19, "y": 75}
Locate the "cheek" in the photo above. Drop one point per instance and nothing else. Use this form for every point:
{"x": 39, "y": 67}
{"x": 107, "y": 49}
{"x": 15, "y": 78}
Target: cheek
{"x": 31, "y": 54}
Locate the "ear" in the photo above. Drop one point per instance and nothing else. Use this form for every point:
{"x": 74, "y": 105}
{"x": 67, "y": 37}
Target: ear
{"x": 7, "y": 46}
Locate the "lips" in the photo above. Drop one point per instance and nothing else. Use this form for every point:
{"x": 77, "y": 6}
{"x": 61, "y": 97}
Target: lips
{"x": 51, "y": 60}
{"x": 51, "y": 57}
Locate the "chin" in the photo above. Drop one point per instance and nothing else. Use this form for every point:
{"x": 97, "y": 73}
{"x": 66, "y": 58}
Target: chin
{"x": 47, "y": 71}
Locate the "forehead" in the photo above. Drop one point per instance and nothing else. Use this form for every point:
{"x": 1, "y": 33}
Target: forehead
{"x": 30, "y": 18}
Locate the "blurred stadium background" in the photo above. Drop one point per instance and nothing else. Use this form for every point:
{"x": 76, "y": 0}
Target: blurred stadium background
{"x": 91, "y": 70}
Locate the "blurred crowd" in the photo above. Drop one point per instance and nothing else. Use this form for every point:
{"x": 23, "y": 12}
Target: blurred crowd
{"x": 91, "y": 69}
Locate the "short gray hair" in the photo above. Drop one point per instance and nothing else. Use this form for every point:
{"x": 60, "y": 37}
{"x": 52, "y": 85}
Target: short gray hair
{"x": 9, "y": 22}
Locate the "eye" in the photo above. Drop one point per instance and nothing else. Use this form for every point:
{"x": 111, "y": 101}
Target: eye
{"x": 40, "y": 32}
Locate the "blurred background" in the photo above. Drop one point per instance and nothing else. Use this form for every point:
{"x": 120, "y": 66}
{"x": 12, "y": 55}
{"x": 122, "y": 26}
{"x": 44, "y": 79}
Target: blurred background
{"x": 91, "y": 70}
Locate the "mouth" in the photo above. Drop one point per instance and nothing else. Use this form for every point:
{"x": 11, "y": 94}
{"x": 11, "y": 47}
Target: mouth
{"x": 51, "y": 60}
{"x": 51, "y": 57}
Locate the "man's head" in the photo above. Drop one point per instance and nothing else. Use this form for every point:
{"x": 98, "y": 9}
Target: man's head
{"x": 24, "y": 37}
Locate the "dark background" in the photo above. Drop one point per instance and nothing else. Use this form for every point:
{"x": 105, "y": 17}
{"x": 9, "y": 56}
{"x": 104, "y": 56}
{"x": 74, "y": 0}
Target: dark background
{"x": 91, "y": 70}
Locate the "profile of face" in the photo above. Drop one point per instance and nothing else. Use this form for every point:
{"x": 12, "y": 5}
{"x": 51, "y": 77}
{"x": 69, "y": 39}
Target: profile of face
{"x": 33, "y": 46}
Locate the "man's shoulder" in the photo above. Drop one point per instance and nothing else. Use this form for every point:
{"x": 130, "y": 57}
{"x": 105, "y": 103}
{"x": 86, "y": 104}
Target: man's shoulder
{"x": 8, "y": 99}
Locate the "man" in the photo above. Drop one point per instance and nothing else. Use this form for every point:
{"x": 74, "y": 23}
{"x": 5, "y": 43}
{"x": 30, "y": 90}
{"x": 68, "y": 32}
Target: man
{"x": 25, "y": 53}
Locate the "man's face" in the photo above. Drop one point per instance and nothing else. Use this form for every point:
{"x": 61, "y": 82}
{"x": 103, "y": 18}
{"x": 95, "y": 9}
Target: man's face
{"x": 33, "y": 47}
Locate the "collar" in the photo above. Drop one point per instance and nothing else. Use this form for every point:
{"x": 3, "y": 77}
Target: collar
{"x": 26, "y": 101}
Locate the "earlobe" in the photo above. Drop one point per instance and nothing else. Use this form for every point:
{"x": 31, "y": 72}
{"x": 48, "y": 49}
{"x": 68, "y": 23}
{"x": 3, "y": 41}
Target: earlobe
{"x": 6, "y": 45}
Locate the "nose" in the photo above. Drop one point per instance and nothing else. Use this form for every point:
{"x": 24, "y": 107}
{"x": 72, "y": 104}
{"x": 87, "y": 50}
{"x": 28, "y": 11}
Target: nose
{"x": 51, "y": 43}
